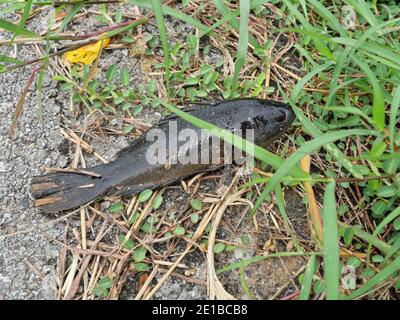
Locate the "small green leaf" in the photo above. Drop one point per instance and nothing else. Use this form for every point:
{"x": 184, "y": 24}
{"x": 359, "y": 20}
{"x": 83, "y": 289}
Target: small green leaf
{"x": 196, "y": 204}
{"x": 67, "y": 86}
{"x": 128, "y": 128}
{"x": 127, "y": 244}
{"x": 378, "y": 209}
{"x": 141, "y": 267}
{"x": 157, "y": 201}
{"x": 377, "y": 149}
{"x": 377, "y": 258}
{"x": 397, "y": 284}
{"x": 118, "y": 16}
{"x": 245, "y": 239}
{"x": 124, "y": 76}
{"x": 102, "y": 287}
{"x": 179, "y": 231}
{"x": 219, "y": 247}
{"x": 354, "y": 262}
{"x": 105, "y": 282}
{"x": 100, "y": 292}
{"x": 230, "y": 247}
{"x": 348, "y": 236}
{"x": 145, "y": 195}
{"x": 386, "y": 192}
{"x": 147, "y": 228}
{"x": 152, "y": 219}
{"x": 116, "y": 207}
{"x": 139, "y": 254}
{"x": 194, "y": 217}
{"x": 133, "y": 218}
{"x": 111, "y": 72}
{"x": 191, "y": 81}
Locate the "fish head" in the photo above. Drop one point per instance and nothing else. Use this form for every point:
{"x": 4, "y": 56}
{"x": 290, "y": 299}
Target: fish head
{"x": 268, "y": 120}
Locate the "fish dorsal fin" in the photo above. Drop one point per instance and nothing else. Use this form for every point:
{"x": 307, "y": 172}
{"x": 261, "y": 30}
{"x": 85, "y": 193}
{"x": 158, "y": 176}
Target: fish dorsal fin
{"x": 162, "y": 122}
{"x": 173, "y": 116}
{"x": 130, "y": 147}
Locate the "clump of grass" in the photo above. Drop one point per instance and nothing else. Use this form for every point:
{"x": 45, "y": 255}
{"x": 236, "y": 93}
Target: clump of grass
{"x": 346, "y": 97}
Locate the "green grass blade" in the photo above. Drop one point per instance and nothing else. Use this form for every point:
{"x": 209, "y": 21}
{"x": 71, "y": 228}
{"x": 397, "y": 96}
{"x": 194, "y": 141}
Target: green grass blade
{"x": 351, "y": 110}
{"x": 333, "y": 150}
{"x": 7, "y": 59}
{"x": 307, "y": 148}
{"x": 231, "y": 15}
{"x": 325, "y": 13}
{"x": 8, "y": 26}
{"x": 24, "y": 17}
{"x": 244, "y": 284}
{"x": 312, "y": 129}
{"x": 378, "y": 107}
{"x": 331, "y": 243}
{"x": 349, "y": 51}
{"x": 158, "y": 13}
{"x": 225, "y": 11}
{"x": 114, "y": 32}
{"x": 173, "y": 13}
{"x": 394, "y": 250}
{"x": 301, "y": 83}
{"x": 45, "y": 62}
{"x": 74, "y": 10}
{"x": 393, "y": 116}
{"x": 388, "y": 219}
{"x": 376, "y": 49}
{"x": 282, "y": 209}
{"x": 307, "y": 279}
{"x": 11, "y": 8}
{"x": 363, "y": 9}
{"x": 226, "y": 18}
{"x": 379, "y": 244}
{"x": 381, "y": 276}
{"x": 243, "y": 42}
{"x": 321, "y": 47}
{"x": 245, "y": 262}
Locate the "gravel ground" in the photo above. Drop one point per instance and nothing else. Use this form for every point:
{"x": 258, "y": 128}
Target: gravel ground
{"x": 27, "y": 260}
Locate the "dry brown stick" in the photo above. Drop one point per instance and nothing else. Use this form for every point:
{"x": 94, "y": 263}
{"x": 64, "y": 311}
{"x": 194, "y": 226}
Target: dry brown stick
{"x": 35, "y": 270}
{"x": 53, "y": 54}
{"x": 84, "y": 264}
{"x": 62, "y": 51}
{"x": 382, "y": 177}
{"x": 20, "y": 104}
{"x": 86, "y": 3}
{"x": 72, "y": 170}
{"x": 186, "y": 278}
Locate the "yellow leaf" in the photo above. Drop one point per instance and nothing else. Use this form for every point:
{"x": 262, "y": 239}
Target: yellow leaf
{"x": 86, "y": 54}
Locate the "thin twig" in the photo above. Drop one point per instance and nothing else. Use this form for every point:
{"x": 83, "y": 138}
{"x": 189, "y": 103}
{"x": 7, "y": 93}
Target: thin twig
{"x": 77, "y": 171}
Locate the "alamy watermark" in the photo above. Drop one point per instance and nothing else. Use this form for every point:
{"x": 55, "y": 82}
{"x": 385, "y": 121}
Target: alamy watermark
{"x": 349, "y": 17}
{"x": 198, "y": 146}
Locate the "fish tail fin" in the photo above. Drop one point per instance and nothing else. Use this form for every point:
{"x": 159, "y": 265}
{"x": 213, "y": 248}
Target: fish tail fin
{"x": 57, "y": 192}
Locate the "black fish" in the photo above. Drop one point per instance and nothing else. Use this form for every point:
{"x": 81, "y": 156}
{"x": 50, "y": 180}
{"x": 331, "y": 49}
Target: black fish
{"x": 131, "y": 172}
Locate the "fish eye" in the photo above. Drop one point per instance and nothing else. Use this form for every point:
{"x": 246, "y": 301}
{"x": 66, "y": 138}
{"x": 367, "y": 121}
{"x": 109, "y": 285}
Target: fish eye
{"x": 281, "y": 116}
